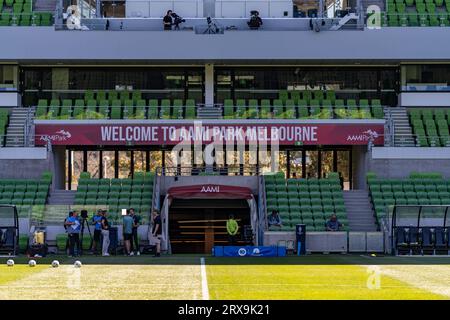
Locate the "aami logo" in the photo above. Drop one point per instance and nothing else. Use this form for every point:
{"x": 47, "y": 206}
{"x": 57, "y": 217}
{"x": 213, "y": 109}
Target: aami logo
{"x": 60, "y": 135}
{"x": 365, "y": 136}
{"x": 215, "y": 189}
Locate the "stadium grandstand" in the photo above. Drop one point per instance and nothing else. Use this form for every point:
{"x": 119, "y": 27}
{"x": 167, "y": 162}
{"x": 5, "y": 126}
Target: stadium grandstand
{"x": 330, "y": 109}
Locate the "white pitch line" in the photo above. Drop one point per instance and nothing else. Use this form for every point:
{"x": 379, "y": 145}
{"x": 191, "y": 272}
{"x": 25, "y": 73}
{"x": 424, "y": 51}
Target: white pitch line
{"x": 205, "y": 291}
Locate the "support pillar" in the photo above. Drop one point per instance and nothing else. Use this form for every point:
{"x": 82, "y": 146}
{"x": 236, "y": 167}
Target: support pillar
{"x": 209, "y": 84}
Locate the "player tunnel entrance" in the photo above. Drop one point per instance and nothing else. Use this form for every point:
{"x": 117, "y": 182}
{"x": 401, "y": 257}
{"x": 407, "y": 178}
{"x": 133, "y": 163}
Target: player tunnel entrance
{"x": 197, "y": 217}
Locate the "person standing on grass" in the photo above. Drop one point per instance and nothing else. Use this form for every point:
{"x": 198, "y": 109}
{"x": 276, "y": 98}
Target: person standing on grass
{"x": 232, "y": 229}
{"x": 128, "y": 233}
{"x": 67, "y": 231}
{"x": 97, "y": 222}
{"x": 135, "y": 239}
{"x": 105, "y": 234}
{"x": 157, "y": 231}
{"x": 73, "y": 230}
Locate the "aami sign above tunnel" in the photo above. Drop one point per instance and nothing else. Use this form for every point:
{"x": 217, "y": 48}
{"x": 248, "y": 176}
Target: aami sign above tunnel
{"x": 309, "y": 132}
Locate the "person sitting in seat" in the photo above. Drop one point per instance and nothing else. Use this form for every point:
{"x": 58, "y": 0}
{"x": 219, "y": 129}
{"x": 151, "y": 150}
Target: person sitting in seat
{"x": 333, "y": 224}
{"x": 274, "y": 220}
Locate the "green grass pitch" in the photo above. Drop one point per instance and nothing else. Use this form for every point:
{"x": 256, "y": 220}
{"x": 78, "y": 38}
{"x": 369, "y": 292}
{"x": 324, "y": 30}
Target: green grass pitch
{"x": 181, "y": 277}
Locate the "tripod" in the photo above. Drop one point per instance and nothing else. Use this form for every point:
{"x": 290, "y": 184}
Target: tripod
{"x": 83, "y": 224}
{"x": 212, "y": 27}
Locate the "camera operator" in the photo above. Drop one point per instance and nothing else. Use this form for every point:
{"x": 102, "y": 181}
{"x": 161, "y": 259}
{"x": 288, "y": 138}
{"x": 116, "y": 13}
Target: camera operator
{"x": 255, "y": 21}
{"x": 177, "y": 21}
{"x": 167, "y": 20}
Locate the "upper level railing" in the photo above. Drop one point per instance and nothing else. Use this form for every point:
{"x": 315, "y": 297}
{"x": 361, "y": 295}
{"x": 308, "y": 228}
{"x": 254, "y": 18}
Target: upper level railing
{"x": 180, "y": 112}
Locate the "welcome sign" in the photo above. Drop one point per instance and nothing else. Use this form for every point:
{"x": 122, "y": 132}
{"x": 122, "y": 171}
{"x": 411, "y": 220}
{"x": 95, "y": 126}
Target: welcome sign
{"x": 291, "y": 133}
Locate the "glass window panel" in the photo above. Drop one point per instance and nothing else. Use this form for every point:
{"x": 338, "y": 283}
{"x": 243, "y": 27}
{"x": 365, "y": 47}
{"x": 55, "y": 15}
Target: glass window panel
{"x": 155, "y": 160}
{"x": 139, "y": 161}
{"x": 281, "y": 158}
{"x": 233, "y": 161}
{"x": 343, "y": 167}
{"x": 93, "y": 163}
{"x": 312, "y": 164}
{"x": 8, "y": 76}
{"x": 265, "y": 162}
{"x": 327, "y": 163}
{"x": 77, "y": 167}
{"x": 108, "y": 158}
{"x": 113, "y": 9}
{"x": 170, "y": 163}
{"x": 295, "y": 158}
{"x": 223, "y": 86}
{"x": 124, "y": 164}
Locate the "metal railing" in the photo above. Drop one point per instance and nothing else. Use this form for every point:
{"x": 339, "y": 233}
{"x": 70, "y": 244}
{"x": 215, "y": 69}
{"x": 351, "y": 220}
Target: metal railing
{"x": 424, "y": 140}
{"x": 389, "y": 128}
{"x": 190, "y": 112}
{"x": 237, "y": 170}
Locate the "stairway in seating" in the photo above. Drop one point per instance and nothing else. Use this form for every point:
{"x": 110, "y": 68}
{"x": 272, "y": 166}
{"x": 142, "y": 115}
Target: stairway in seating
{"x": 57, "y": 208}
{"x": 44, "y": 5}
{"x": 402, "y": 129}
{"x": 359, "y": 211}
{"x": 209, "y": 112}
{"x": 350, "y": 17}
{"x": 61, "y": 197}
{"x": 16, "y": 126}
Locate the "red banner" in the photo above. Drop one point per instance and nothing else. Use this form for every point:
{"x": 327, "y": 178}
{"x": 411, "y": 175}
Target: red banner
{"x": 207, "y": 191}
{"x": 289, "y": 133}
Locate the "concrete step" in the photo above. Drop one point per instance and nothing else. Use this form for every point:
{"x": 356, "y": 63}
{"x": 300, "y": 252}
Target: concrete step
{"x": 359, "y": 210}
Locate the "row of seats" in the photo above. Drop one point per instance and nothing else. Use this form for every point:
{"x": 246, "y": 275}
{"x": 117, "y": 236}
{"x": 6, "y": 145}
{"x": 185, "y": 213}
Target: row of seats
{"x": 423, "y": 240}
{"x": 126, "y": 98}
{"x": 418, "y": 13}
{"x": 307, "y": 95}
{"x": 117, "y": 194}
{"x": 25, "y": 193}
{"x": 20, "y": 12}
{"x": 415, "y": 20}
{"x": 431, "y": 126}
{"x": 308, "y": 201}
{"x": 130, "y": 109}
{"x": 16, "y": 6}
{"x": 410, "y": 191}
{"x": 288, "y": 109}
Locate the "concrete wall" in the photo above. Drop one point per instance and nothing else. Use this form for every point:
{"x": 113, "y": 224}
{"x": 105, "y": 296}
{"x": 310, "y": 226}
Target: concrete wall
{"x": 23, "y": 153}
{"x": 400, "y": 162}
{"x": 359, "y": 166}
{"x": 9, "y": 99}
{"x": 59, "y": 166}
{"x": 331, "y": 241}
{"x": 23, "y": 168}
{"x": 45, "y": 44}
{"x": 402, "y": 168}
{"x": 424, "y": 99}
